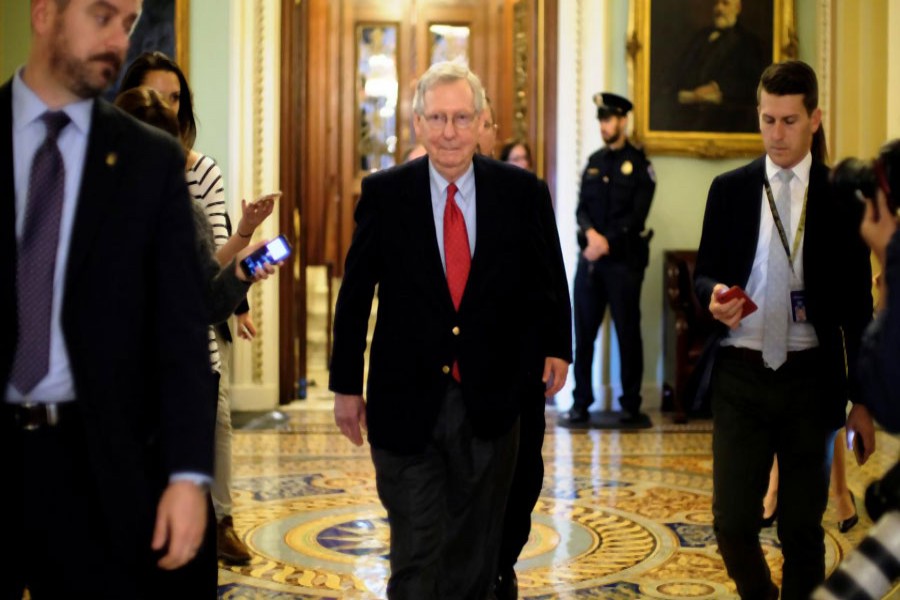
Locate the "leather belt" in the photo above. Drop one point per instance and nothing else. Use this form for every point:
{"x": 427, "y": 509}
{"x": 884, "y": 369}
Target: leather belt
{"x": 31, "y": 416}
{"x": 754, "y": 357}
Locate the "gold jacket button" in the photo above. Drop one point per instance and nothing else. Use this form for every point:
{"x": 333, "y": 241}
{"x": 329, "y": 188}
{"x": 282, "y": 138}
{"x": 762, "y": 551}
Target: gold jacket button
{"x": 455, "y": 330}
{"x": 445, "y": 369}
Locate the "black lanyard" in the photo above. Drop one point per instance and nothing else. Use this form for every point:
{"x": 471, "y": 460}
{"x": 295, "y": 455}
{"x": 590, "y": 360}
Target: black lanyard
{"x": 791, "y": 254}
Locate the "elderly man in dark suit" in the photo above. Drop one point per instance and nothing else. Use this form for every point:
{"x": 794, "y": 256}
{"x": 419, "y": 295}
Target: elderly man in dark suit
{"x": 780, "y": 385}
{"x": 106, "y": 469}
{"x": 469, "y": 322}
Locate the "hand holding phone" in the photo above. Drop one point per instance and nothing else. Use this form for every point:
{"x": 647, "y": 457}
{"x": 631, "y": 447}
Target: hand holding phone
{"x": 855, "y": 441}
{"x": 270, "y": 253}
{"x": 735, "y": 293}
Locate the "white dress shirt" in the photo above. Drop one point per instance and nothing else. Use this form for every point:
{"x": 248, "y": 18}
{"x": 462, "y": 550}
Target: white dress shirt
{"x": 749, "y": 333}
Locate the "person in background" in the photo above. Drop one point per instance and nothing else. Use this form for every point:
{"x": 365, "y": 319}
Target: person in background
{"x": 879, "y": 378}
{"x": 517, "y": 152}
{"x": 779, "y": 383}
{"x": 871, "y": 569}
{"x": 528, "y": 477}
{"x": 224, "y": 288}
{"x": 838, "y": 489}
{"x": 616, "y": 191}
{"x": 107, "y": 433}
{"x": 460, "y": 341}
{"x": 157, "y": 71}
{"x": 487, "y": 135}
{"x": 417, "y": 151}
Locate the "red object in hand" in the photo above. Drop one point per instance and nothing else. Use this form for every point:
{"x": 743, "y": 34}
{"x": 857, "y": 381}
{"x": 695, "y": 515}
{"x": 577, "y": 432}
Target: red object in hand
{"x": 734, "y": 293}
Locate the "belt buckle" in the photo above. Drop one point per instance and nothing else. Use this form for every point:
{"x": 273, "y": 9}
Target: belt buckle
{"x": 34, "y": 415}
{"x": 26, "y": 416}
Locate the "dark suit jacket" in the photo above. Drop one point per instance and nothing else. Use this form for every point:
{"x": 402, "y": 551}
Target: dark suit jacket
{"x": 515, "y": 310}
{"x": 879, "y": 376}
{"x": 133, "y": 318}
{"x": 835, "y": 265}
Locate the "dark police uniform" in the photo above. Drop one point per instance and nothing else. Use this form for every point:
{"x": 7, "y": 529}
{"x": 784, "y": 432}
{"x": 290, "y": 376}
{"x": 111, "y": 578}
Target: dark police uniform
{"x": 616, "y": 191}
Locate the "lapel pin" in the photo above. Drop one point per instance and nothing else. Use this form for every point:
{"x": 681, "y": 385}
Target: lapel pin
{"x": 111, "y": 159}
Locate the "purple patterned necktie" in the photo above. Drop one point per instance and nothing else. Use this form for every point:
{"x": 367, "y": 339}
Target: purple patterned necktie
{"x": 37, "y": 257}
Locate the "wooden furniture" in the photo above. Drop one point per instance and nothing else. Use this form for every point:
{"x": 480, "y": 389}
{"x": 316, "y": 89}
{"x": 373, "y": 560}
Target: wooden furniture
{"x": 686, "y": 327}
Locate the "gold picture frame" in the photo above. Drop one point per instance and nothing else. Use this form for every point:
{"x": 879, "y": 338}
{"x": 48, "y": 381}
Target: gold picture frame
{"x": 679, "y": 51}
{"x": 182, "y": 35}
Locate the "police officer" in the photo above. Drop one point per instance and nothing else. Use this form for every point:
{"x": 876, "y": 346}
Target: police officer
{"x": 616, "y": 190}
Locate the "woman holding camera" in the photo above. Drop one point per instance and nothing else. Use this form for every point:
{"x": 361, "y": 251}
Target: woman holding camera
{"x": 880, "y": 354}
{"x": 870, "y": 571}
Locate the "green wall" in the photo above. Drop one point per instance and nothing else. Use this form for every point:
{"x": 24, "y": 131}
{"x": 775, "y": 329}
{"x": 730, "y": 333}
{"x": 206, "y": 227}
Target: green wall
{"x": 210, "y": 56}
{"x": 15, "y": 35}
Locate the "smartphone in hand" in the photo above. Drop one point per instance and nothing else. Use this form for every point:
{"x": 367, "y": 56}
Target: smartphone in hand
{"x": 734, "y": 293}
{"x": 859, "y": 447}
{"x": 275, "y": 251}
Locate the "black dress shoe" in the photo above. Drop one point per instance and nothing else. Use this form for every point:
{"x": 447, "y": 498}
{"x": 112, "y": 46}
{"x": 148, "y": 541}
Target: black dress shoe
{"x": 848, "y": 523}
{"x": 507, "y": 586}
{"x": 577, "y": 414}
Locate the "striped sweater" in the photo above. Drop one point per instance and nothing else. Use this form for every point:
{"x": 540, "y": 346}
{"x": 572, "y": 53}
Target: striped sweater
{"x": 207, "y": 189}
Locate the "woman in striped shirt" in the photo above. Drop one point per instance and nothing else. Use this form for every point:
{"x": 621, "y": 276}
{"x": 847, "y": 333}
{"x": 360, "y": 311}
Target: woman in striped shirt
{"x": 206, "y": 186}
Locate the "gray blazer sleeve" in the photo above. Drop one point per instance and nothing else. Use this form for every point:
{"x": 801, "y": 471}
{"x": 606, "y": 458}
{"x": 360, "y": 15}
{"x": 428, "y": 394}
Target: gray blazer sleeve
{"x": 223, "y": 290}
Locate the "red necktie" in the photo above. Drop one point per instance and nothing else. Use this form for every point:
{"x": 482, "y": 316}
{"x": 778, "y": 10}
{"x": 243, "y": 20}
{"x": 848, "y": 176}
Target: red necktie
{"x": 456, "y": 253}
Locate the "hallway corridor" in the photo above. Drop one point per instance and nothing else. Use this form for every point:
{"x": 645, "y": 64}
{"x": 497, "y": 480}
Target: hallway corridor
{"x": 622, "y": 514}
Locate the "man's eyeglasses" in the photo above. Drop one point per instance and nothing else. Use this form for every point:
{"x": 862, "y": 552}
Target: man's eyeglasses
{"x": 437, "y": 122}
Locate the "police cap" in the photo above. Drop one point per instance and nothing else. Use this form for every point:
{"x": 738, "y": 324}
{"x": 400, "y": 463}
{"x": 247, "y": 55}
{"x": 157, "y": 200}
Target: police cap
{"x": 611, "y": 105}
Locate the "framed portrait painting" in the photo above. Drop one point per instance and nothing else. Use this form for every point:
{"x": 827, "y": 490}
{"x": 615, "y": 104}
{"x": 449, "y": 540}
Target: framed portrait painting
{"x": 163, "y": 27}
{"x": 696, "y": 65}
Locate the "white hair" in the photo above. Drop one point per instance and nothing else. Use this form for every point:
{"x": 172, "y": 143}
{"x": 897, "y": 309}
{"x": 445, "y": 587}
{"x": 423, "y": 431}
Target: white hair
{"x": 443, "y": 73}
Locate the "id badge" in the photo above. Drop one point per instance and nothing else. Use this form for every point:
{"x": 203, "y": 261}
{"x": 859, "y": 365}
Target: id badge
{"x": 798, "y": 306}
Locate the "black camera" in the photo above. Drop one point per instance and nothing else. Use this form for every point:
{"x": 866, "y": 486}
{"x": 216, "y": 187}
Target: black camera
{"x": 871, "y": 570}
{"x": 855, "y": 179}
{"x": 884, "y": 495}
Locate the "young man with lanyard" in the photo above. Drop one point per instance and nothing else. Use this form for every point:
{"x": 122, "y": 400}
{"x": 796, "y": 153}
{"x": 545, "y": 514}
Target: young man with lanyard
{"x": 779, "y": 385}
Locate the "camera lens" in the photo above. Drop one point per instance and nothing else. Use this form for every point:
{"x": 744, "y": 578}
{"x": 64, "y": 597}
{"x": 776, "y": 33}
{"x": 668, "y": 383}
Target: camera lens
{"x": 852, "y": 174}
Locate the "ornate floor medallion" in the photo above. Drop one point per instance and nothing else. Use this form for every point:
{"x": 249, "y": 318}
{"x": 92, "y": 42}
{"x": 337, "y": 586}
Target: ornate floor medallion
{"x": 620, "y": 516}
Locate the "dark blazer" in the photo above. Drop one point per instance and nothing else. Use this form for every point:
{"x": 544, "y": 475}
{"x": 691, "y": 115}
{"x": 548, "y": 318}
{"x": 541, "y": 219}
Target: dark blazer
{"x": 133, "y": 318}
{"x": 515, "y": 310}
{"x": 836, "y": 266}
{"x": 879, "y": 376}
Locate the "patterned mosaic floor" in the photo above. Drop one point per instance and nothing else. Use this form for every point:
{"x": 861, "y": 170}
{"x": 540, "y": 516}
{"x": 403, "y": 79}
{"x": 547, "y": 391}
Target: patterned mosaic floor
{"x": 622, "y": 515}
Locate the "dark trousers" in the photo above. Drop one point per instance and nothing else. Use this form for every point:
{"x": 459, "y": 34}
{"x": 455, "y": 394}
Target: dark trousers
{"x": 758, "y": 414}
{"x": 63, "y": 545}
{"x": 445, "y": 508}
{"x": 598, "y": 284}
{"x": 55, "y": 509}
{"x": 528, "y": 479}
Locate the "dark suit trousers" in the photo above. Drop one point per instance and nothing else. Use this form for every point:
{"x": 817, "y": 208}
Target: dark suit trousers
{"x": 445, "y": 507}
{"x": 62, "y": 549}
{"x": 597, "y": 285}
{"x": 758, "y": 414}
{"x": 57, "y": 548}
{"x": 528, "y": 479}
